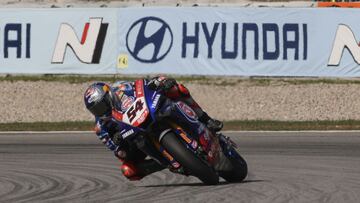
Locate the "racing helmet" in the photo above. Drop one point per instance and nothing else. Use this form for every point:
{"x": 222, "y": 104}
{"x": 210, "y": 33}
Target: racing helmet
{"x": 98, "y": 99}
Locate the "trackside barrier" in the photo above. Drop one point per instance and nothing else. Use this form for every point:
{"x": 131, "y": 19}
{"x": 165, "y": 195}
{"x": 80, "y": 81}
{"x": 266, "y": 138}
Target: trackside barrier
{"x": 58, "y": 40}
{"x": 169, "y": 40}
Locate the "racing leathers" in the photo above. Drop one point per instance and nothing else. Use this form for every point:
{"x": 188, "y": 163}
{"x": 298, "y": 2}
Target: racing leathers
{"x": 134, "y": 166}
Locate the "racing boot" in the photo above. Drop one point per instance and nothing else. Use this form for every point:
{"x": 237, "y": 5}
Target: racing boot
{"x": 212, "y": 124}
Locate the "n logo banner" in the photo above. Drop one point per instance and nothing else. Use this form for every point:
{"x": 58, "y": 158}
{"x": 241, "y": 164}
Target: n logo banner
{"x": 345, "y": 38}
{"x": 89, "y": 49}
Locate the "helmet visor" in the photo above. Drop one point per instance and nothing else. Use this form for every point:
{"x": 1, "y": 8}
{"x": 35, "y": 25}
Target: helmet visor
{"x": 102, "y": 108}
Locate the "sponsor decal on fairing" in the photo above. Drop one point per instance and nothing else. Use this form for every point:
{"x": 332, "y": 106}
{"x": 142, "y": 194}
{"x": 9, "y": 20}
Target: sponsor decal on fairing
{"x": 127, "y": 133}
{"x": 155, "y": 101}
{"x": 126, "y": 102}
{"x": 188, "y": 112}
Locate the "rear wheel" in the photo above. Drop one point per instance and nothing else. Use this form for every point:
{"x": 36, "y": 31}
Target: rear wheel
{"x": 188, "y": 159}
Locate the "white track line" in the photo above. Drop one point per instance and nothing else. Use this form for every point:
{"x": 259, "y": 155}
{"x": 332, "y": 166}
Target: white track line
{"x": 292, "y": 131}
{"x": 228, "y": 131}
{"x": 45, "y": 132}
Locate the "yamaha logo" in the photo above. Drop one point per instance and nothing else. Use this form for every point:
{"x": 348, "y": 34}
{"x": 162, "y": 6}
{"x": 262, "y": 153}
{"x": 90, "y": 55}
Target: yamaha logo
{"x": 149, "y": 39}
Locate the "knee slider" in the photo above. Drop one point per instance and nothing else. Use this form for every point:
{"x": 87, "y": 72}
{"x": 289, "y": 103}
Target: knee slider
{"x": 130, "y": 171}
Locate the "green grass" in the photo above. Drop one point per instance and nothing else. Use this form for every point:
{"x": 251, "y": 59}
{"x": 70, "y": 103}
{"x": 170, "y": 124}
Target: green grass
{"x": 214, "y": 80}
{"x": 256, "y": 125}
{"x": 76, "y": 79}
{"x": 48, "y": 126}
{"x": 63, "y": 78}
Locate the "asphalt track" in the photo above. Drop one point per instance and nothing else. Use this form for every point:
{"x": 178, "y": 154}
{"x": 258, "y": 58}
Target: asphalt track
{"x": 283, "y": 167}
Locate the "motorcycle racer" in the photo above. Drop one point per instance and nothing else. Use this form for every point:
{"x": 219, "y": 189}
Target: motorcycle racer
{"x": 105, "y": 101}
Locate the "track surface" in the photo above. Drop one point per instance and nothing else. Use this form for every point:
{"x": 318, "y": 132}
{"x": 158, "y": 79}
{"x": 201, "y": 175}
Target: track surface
{"x": 283, "y": 167}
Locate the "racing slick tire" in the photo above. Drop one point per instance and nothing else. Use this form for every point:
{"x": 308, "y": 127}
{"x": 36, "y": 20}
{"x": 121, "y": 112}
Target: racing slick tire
{"x": 189, "y": 160}
{"x": 239, "y": 169}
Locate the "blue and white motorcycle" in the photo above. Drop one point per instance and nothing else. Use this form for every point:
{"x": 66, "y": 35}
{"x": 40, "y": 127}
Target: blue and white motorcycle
{"x": 170, "y": 133}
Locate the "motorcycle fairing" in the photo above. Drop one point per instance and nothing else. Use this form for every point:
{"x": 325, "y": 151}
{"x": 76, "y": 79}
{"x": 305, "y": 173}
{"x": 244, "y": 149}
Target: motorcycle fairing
{"x": 137, "y": 113}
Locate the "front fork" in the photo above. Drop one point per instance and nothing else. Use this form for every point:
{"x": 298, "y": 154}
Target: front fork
{"x": 229, "y": 147}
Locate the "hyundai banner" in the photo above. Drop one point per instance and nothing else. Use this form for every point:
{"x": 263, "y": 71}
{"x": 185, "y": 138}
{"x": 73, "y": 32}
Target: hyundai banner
{"x": 58, "y": 41}
{"x": 239, "y": 41}
{"x": 173, "y": 40}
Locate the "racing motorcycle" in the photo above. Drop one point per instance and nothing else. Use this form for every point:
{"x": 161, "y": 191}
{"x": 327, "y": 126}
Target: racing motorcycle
{"x": 170, "y": 133}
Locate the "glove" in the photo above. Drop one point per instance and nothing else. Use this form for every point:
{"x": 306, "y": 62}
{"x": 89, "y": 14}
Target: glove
{"x": 121, "y": 151}
{"x": 103, "y": 135}
{"x": 120, "y": 154}
{"x": 162, "y": 83}
{"x": 168, "y": 84}
{"x": 117, "y": 139}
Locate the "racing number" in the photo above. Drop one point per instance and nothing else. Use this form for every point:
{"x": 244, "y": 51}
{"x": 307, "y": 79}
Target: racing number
{"x": 131, "y": 113}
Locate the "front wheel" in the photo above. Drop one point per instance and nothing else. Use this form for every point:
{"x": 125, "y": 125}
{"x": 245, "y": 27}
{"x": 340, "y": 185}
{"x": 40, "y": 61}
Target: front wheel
{"x": 189, "y": 160}
{"x": 239, "y": 169}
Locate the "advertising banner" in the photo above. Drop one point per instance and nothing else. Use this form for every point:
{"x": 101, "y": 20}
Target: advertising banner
{"x": 172, "y": 40}
{"x": 239, "y": 41}
{"x": 58, "y": 41}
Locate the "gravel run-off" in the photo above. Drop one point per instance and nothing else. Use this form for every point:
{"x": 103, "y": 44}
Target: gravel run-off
{"x": 22, "y": 101}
